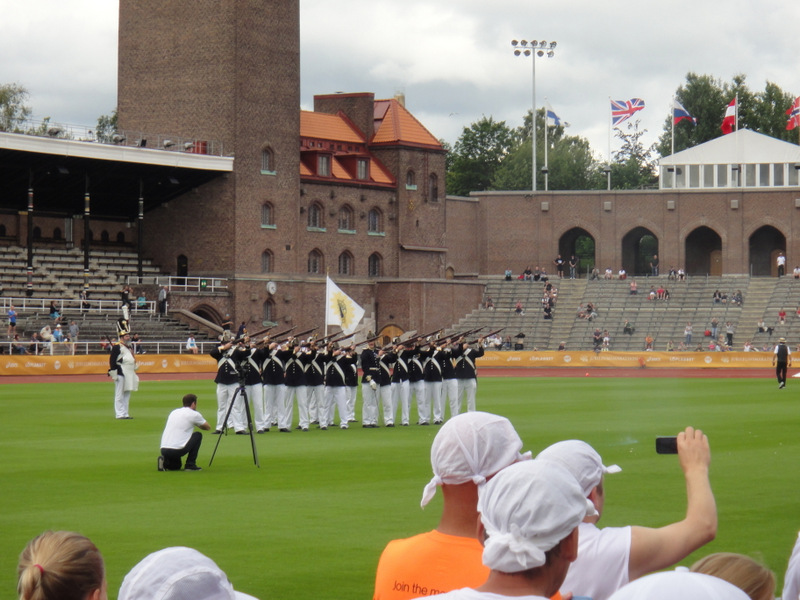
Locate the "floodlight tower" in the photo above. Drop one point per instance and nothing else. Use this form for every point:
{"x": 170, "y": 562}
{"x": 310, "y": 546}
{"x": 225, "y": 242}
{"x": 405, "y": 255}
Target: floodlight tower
{"x": 533, "y": 49}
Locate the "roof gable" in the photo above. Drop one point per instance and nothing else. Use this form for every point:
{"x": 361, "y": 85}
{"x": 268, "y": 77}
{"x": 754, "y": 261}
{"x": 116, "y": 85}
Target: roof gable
{"x": 394, "y": 124}
{"x": 740, "y": 147}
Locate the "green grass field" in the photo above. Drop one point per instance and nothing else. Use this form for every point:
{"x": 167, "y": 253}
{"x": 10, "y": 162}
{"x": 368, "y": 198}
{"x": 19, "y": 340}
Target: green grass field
{"x": 311, "y": 522}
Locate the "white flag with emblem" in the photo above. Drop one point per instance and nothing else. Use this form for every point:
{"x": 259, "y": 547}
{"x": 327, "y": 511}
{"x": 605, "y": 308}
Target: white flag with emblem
{"x": 342, "y": 310}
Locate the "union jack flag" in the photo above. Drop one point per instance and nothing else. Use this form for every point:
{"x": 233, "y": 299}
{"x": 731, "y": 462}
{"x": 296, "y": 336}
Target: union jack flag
{"x": 624, "y": 109}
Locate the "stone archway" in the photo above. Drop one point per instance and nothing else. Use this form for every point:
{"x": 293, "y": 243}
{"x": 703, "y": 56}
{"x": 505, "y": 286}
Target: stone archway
{"x": 639, "y": 246}
{"x": 765, "y": 244}
{"x": 579, "y": 242}
{"x": 703, "y": 251}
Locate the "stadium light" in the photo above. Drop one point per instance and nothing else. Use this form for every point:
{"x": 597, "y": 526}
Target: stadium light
{"x": 533, "y": 49}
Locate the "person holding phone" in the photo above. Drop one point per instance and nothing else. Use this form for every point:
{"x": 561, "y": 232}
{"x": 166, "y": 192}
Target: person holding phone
{"x": 610, "y": 557}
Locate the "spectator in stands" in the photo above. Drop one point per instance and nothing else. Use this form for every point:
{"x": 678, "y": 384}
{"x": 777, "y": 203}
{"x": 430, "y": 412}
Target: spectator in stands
{"x": 136, "y": 342}
{"x": 716, "y": 296}
{"x": 781, "y": 262}
{"x": 84, "y": 297}
{"x": 652, "y": 294}
{"x": 46, "y": 337}
{"x": 74, "y": 331}
{"x": 537, "y": 273}
{"x": 191, "y": 344}
{"x": 105, "y": 343}
{"x": 36, "y": 346}
{"x": 673, "y": 274}
{"x": 609, "y": 274}
{"x": 591, "y": 311}
{"x": 141, "y": 302}
{"x": 648, "y": 342}
{"x": 634, "y": 288}
{"x": 573, "y": 266}
{"x": 54, "y": 313}
{"x": 687, "y": 333}
{"x": 661, "y": 293}
{"x": 738, "y": 298}
{"x": 750, "y": 576}
{"x": 748, "y": 346}
{"x": 609, "y": 558}
{"x": 508, "y": 275}
{"x": 681, "y": 275}
{"x": 494, "y": 342}
{"x": 125, "y": 295}
{"x": 729, "y": 329}
{"x": 17, "y": 347}
{"x": 670, "y": 346}
{"x": 548, "y": 312}
{"x": 58, "y": 335}
{"x": 597, "y": 339}
{"x": 559, "y": 263}
{"x": 61, "y": 565}
{"x": 543, "y": 276}
{"x": 507, "y": 343}
{"x": 606, "y": 341}
{"x": 489, "y": 304}
{"x": 622, "y": 274}
{"x": 654, "y": 265}
{"x": 527, "y": 274}
{"x": 518, "y": 308}
{"x": 714, "y": 327}
{"x": 628, "y": 328}
{"x": 782, "y": 316}
{"x": 12, "y": 321}
{"x": 468, "y": 450}
{"x": 595, "y": 274}
{"x": 562, "y": 346}
{"x": 796, "y": 272}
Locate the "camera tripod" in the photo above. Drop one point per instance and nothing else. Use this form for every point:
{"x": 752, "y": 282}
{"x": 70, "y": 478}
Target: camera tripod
{"x": 240, "y": 391}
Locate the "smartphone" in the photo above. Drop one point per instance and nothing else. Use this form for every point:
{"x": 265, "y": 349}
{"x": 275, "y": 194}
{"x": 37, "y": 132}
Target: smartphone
{"x": 667, "y": 444}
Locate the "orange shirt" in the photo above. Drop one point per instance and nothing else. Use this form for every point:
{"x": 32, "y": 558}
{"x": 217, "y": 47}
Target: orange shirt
{"x": 429, "y": 563}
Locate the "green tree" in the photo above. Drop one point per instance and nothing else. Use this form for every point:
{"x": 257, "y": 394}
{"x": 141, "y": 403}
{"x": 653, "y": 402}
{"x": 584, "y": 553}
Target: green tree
{"x": 477, "y": 154}
{"x": 106, "y": 127}
{"x": 707, "y": 98}
{"x": 13, "y": 110}
{"x": 633, "y": 166}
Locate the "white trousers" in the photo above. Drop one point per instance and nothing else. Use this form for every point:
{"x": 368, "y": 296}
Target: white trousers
{"x": 255, "y": 396}
{"x": 316, "y": 396}
{"x": 433, "y": 395}
{"x": 369, "y": 404}
{"x": 273, "y": 398}
{"x": 468, "y": 387}
{"x": 423, "y": 405}
{"x": 450, "y": 395}
{"x": 225, "y": 393}
{"x": 352, "y": 393}
{"x": 287, "y": 410}
{"x": 401, "y": 394}
{"x": 335, "y": 396}
{"x": 121, "y": 398}
{"x": 385, "y": 392}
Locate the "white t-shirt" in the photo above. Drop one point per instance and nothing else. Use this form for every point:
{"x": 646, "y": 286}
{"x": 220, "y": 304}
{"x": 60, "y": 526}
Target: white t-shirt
{"x": 602, "y": 564}
{"x": 470, "y": 594}
{"x": 180, "y": 424}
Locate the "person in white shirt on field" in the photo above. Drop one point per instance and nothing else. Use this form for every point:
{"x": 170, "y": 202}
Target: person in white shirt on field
{"x": 179, "y": 438}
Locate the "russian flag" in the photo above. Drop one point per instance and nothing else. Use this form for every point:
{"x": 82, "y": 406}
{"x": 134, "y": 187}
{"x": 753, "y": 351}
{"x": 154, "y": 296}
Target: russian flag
{"x": 679, "y": 113}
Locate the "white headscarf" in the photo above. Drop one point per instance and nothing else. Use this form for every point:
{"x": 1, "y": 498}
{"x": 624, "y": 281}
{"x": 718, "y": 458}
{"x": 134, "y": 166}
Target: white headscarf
{"x": 526, "y": 510}
{"x": 580, "y": 459}
{"x": 679, "y": 584}
{"x": 471, "y": 447}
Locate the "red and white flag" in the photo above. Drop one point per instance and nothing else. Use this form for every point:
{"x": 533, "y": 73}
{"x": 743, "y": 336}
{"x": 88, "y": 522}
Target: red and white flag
{"x": 729, "y": 122}
{"x": 794, "y": 114}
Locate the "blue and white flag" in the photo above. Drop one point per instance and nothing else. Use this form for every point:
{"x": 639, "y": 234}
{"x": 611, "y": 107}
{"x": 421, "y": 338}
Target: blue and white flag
{"x": 551, "y": 118}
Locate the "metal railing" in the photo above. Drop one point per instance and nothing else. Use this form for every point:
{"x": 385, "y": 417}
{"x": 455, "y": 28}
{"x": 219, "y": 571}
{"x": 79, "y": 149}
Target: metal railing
{"x": 25, "y": 304}
{"x": 30, "y": 348}
{"x": 182, "y": 284}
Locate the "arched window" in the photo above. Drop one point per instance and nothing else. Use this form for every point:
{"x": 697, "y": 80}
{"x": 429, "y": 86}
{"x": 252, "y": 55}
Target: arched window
{"x": 267, "y": 161}
{"x": 375, "y": 265}
{"x": 411, "y": 180}
{"x": 121, "y": 237}
{"x": 315, "y": 262}
{"x": 266, "y": 261}
{"x": 267, "y": 215}
{"x": 57, "y": 233}
{"x": 269, "y": 310}
{"x": 104, "y": 237}
{"x": 315, "y": 216}
{"x": 2, "y": 230}
{"x": 375, "y": 221}
{"x": 345, "y": 263}
{"x": 346, "y": 219}
{"x": 433, "y": 188}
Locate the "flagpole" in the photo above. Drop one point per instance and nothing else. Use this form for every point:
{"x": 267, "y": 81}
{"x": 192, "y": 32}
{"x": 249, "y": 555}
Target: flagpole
{"x": 546, "y": 170}
{"x": 327, "y": 278}
{"x": 672, "y": 118}
{"x": 736, "y": 113}
{"x": 608, "y": 165}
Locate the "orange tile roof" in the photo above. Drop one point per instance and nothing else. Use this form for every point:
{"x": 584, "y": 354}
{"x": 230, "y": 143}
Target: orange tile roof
{"x": 395, "y": 124}
{"x": 328, "y": 127}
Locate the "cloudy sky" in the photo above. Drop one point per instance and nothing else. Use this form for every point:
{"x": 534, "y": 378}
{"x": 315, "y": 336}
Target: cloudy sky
{"x": 452, "y": 59}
